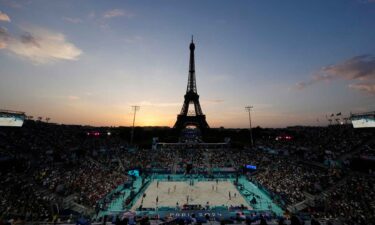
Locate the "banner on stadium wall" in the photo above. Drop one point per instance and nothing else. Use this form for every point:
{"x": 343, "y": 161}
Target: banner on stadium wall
{"x": 182, "y": 170}
{"x": 225, "y": 214}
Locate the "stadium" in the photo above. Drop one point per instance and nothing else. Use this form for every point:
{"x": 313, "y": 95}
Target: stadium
{"x": 69, "y": 173}
{"x": 98, "y": 125}
{"x": 63, "y": 173}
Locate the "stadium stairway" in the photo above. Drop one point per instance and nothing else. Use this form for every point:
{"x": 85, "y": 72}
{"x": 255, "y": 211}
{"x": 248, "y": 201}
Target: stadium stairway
{"x": 81, "y": 209}
{"x": 333, "y": 187}
{"x": 309, "y": 200}
{"x": 264, "y": 204}
{"x": 117, "y": 205}
{"x": 121, "y": 165}
{"x": 207, "y": 157}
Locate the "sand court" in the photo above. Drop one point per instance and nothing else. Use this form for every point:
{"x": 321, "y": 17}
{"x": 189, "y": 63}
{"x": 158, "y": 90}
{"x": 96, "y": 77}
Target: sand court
{"x": 169, "y": 193}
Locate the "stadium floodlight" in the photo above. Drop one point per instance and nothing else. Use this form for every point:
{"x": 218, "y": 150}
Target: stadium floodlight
{"x": 248, "y": 108}
{"x": 135, "y": 109}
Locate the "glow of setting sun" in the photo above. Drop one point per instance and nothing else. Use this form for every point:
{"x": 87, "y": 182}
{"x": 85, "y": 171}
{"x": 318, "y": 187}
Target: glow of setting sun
{"x": 153, "y": 120}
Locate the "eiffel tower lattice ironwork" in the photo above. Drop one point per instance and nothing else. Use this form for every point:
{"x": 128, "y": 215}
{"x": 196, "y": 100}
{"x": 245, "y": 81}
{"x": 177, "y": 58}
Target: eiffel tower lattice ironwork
{"x": 195, "y": 115}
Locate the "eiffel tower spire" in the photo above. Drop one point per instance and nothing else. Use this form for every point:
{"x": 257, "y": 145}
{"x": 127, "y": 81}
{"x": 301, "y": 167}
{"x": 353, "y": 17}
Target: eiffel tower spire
{"x": 192, "y": 86}
{"x": 191, "y": 97}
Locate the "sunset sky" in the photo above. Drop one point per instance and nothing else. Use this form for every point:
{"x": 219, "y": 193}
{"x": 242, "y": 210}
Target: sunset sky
{"x": 88, "y": 61}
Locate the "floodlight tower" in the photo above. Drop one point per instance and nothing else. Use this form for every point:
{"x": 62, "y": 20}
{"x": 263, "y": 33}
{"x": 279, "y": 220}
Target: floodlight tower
{"x": 135, "y": 109}
{"x": 248, "y": 108}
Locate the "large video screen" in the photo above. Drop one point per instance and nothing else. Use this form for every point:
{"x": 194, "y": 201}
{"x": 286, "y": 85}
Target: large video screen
{"x": 251, "y": 167}
{"x": 364, "y": 122}
{"x": 11, "y": 121}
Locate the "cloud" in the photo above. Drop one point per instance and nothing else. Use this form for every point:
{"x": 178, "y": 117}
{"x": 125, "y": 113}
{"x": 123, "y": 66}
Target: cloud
{"x": 363, "y": 87}
{"x": 2, "y": 45}
{"x": 4, "y": 37}
{"x": 301, "y": 85}
{"x": 73, "y": 97}
{"x": 27, "y": 38}
{"x": 116, "y": 13}
{"x": 360, "y": 69}
{"x": 39, "y": 45}
{"x": 102, "y": 19}
{"x": 16, "y": 4}
{"x": 4, "y": 17}
{"x": 357, "y": 68}
{"x": 72, "y": 20}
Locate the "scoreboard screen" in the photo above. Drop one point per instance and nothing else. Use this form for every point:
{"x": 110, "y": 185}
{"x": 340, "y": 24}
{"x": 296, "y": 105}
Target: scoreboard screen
{"x": 363, "y": 123}
{"x": 7, "y": 120}
{"x": 366, "y": 120}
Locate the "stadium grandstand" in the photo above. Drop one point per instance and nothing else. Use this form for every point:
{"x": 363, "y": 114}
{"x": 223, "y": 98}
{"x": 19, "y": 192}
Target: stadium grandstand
{"x": 64, "y": 174}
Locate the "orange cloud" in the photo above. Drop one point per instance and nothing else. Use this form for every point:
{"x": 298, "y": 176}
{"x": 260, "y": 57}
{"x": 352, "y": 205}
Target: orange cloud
{"x": 360, "y": 68}
{"x": 4, "y": 17}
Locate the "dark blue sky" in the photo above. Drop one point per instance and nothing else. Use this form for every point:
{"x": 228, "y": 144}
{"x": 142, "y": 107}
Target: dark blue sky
{"x": 87, "y": 62}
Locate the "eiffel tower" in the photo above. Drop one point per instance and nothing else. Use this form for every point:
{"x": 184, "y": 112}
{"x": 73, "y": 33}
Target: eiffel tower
{"x": 189, "y": 115}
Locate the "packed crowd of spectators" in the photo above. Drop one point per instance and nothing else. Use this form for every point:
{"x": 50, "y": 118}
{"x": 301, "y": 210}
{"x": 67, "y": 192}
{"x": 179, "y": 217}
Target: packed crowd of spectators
{"x": 87, "y": 179}
{"x": 291, "y": 180}
{"x": 59, "y": 161}
{"x": 352, "y": 202}
{"x": 367, "y": 151}
{"x": 66, "y": 160}
{"x": 21, "y": 197}
{"x": 319, "y": 144}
